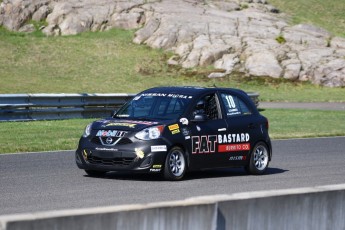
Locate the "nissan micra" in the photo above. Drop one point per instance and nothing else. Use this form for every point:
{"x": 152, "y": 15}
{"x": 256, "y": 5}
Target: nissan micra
{"x": 172, "y": 130}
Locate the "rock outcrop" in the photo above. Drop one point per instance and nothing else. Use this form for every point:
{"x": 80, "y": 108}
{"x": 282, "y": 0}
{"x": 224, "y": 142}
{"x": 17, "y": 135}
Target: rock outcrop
{"x": 248, "y": 36}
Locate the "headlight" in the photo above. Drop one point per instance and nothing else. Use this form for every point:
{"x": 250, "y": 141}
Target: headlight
{"x": 87, "y": 130}
{"x": 150, "y": 133}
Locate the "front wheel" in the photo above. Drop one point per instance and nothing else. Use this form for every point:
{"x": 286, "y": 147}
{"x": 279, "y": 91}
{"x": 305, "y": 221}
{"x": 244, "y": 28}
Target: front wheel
{"x": 258, "y": 159}
{"x": 175, "y": 164}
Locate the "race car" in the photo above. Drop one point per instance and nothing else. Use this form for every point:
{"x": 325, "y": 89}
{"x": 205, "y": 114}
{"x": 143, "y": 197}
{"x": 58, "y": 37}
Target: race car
{"x": 172, "y": 130}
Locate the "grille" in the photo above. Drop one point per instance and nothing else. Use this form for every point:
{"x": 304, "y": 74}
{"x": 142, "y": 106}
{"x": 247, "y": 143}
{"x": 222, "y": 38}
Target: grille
{"x": 117, "y": 161}
{"x": 123, "y": 141}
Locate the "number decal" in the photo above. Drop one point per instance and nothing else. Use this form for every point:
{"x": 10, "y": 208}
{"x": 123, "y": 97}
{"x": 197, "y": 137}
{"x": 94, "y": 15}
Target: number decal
{"x": 230, "y": 101}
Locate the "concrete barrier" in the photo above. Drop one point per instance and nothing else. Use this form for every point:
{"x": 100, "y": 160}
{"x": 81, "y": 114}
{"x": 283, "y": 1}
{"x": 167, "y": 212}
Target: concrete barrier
{"x": 305, "y": 208}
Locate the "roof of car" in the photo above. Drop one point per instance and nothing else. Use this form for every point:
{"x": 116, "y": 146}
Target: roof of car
{"x": 188, "y": 90}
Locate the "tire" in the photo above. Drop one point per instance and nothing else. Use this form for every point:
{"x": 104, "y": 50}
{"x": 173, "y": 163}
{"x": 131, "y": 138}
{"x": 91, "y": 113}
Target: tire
{"x": 93, "y": 173}
{"x": 175, "y": 164}
{"x": 259, "y": 159}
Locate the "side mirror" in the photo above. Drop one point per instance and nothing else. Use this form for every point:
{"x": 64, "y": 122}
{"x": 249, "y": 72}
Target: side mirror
{"x": 199, "y": 118}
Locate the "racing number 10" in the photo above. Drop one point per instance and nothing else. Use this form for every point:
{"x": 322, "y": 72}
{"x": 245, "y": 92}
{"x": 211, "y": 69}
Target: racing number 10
{"x": 230, "y": 101}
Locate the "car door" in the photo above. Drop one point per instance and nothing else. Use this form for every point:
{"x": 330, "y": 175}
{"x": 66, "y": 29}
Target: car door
{"x": 203, "y": 139}
{"x": 242, "y": 129}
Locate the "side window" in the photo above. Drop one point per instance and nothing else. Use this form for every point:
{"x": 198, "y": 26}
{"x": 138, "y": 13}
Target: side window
{"x": 208, "y": 106}
{"x": 244, "y": 108}
{"x": 234, "y": 106}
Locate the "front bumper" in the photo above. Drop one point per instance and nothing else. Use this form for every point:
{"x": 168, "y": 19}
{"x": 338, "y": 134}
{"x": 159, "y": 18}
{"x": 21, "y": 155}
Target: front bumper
{"x": 132, "y": 157}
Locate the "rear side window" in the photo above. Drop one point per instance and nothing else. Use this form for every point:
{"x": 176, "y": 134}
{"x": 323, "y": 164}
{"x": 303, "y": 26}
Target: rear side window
{"x": 234, "y": 106}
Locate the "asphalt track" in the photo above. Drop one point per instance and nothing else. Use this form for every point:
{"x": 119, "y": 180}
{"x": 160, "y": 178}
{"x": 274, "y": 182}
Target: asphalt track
{"x": 51, "y": 181}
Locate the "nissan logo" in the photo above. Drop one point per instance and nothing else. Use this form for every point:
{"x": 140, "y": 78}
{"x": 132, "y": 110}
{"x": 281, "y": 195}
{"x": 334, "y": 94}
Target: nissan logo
{"x": 109, "y": 140}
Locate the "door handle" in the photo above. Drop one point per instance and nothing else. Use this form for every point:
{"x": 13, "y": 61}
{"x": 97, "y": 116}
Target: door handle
{"x": 222, "y": 130}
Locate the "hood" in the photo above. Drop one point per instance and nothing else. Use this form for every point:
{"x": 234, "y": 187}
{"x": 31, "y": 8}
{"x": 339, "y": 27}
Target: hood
{"x": 122, "y": 124}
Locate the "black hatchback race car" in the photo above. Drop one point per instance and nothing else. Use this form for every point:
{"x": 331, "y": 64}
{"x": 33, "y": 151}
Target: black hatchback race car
{"x": 170, "y": 130}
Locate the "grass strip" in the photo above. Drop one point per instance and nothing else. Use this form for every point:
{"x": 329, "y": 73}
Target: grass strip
{"x": 299, "y": 123}
{"x": 64, "y": 134}
{"x": 326, "y": 14}
{"x": 35, "y": 136}
{"x": 108, "y": 62}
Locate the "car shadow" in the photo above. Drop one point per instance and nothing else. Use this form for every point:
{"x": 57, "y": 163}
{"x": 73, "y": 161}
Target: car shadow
{"x": 230, "y": 172}
{"x": 204, "y": 174}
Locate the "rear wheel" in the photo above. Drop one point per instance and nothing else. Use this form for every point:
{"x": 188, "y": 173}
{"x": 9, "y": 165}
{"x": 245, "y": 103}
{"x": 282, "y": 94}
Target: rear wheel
{"x": 259, "y": 159}
{"x": 94, "y": 173}
{"x": 175, "y": 164}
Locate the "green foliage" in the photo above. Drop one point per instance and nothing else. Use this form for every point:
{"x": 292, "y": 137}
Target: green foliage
{"x": 244, "y": 6}
{"x": 280, "y": 39}
{"x": 38, "y": 24}
{"x": 327, "y": 14}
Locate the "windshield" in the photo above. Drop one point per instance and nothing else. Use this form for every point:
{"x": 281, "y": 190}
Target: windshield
{"x": 152, "y": 106}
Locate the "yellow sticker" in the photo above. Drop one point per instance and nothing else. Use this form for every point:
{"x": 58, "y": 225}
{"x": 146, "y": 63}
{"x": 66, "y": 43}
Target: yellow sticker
{"x": 173, "y": 127}
{"x": 175, "y": 131}
{"x": 85, "y": 154}
{"x": 156, "y": 166}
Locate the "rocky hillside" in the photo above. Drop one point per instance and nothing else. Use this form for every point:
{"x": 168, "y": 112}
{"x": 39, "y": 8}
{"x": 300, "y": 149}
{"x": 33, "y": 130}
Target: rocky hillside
{"x": 248, "y": 36}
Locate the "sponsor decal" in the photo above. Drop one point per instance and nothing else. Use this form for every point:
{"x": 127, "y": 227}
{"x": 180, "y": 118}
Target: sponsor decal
{"x": 139, "y": 153}
{"x": 174, "y": 128}
{"x": 232, "y": 114}
{"x": 187, "y": 137}
{"x": 184, "y": 121}
{"x": 231, "y": 105}
{"x": 158, "y": 148}
{"x": 234, "y": 147}
{"x": 110, "y": 133}
{"x": 223, "y": 143}
{"x": 173, "y": 95}
{"x": 105, "y": 149}
{"x": 155, "y": 170}
{"x": 198, "y": 128}
{"x": 233, "y": 138}
{"x": 141, "y": 122}
{"x": 238, "y": 158}
{"x": 130, "y": 125}
{"x": 175, "y": 131}
{"x": 186, "y": 131}
{"x": 204, "y": 144}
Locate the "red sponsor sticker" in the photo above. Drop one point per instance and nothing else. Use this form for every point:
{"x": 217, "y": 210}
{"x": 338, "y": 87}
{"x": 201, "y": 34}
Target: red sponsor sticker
{"x": 234, "y": 147}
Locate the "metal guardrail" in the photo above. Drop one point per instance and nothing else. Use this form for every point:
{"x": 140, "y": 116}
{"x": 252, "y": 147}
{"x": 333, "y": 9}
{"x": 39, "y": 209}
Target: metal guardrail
{"x": 29, "y": 107}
